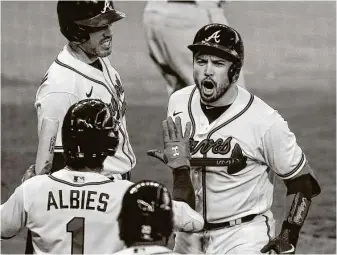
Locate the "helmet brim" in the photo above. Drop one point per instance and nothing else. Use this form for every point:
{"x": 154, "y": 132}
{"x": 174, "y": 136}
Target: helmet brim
{"x": 102, "y": 19}
{"x": 215, "y": 49}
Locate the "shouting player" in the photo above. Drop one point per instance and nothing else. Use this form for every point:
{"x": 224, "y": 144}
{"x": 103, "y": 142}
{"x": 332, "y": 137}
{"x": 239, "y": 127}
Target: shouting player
{"x": 75, "y": 209}
{"x": 237, "y": 143}
{"x": 169, "y": 26}
{"x": 82, "y": 70}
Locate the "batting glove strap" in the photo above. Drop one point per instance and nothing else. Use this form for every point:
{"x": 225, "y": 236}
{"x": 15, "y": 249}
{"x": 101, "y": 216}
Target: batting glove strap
{"x": 177, "y": 154}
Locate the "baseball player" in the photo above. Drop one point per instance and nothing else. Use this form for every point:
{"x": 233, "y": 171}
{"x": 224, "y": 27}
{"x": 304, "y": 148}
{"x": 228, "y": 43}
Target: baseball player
{"x": 73, "y": 210}
{"x": 82, "y": 70}
{"x": 238, "y": 143}
{"x": 169, "y": 27}
{"x": 146, "y": 219}
{"x": 77, "y": 207}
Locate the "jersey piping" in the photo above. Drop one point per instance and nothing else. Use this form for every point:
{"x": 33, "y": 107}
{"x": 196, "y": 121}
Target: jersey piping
{"x": 233, "y": 118}
{"x": 190, "y": 111}
{"x": 294, "y": 171}
{"x": 57, "y": 61}
{"x": 268, "y": 226}
{"x": 79, "y": 185}
{"x": 124, "y": 140}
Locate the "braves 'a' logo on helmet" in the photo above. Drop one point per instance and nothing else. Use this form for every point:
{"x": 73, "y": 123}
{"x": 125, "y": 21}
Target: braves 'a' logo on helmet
{"x": 215, "y": 36}
{"x": 107, "y": 6}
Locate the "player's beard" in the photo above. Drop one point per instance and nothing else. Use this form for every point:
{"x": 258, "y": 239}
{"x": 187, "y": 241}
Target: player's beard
{"x": 211, "y": 91}
{"x": 99, "y": 50}
{"x": 104, "y": 48}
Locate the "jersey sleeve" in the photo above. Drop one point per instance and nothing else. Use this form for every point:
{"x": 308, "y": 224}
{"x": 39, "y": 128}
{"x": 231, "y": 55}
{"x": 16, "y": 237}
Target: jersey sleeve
{"x": 13, "y": 215}
{"x": 281, "y": 151}
{"x": 54, "y": 105}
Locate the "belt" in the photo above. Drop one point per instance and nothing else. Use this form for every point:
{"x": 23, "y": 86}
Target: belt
{"x": 182, "y": 2}
{"x": 214, "y": 226}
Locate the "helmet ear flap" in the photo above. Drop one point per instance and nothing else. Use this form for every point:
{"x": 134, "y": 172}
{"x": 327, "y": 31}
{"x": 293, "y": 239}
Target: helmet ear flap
{"x": 234, "y": 72}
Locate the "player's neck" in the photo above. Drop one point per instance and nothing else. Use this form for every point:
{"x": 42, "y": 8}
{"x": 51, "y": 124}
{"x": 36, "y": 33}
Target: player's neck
{"x": 80, "y": 54}
{"x": 227, "y": 99}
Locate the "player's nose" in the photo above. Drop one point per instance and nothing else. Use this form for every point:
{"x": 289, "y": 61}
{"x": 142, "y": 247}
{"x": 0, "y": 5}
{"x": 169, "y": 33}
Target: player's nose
{"x": 209, "y": 70}
{"x": 108, "y": 30}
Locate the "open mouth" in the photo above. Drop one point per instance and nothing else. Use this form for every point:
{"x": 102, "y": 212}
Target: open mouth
{"x": 208, "y": 87}
{"x": 106, "y": 42}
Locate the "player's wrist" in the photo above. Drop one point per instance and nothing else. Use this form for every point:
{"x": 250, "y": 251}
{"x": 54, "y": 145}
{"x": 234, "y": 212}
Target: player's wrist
{"x": 182, "y": 187}
{"x": 179, "y": 164}
{"x": 290, "y": 226}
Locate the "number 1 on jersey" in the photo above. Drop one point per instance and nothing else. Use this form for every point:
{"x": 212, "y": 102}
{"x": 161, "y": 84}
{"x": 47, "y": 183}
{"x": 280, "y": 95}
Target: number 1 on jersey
{"x": 76, "y": 227}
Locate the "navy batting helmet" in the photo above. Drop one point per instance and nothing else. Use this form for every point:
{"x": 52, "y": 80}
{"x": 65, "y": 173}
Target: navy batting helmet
{"x": 77, "y": 19}
{"x": 146, "y": 214}
{"x": 89, "y": 133}
{"x": 221, "y": 40}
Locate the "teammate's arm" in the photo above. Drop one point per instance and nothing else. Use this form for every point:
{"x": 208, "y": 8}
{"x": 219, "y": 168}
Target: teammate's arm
{"x": 54, "y": 105}
{"x": 13, "y": 215}
{"x": 286, "y": 158}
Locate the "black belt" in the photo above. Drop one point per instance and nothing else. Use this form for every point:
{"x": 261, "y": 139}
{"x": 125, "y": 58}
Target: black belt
{"x": 213, "y": 226}
{"x": 182, "y": 2}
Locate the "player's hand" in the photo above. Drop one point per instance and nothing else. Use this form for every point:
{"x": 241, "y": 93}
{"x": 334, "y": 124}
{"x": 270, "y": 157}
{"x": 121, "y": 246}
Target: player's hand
{"x": 282, "y": 244}
{"x": 30, "y": 172}
{"x": 176, "y": 145}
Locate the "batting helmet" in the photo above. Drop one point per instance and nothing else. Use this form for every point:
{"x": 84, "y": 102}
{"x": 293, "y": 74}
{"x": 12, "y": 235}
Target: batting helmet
{"x": 146, "y": 214}
{"x": 77, "y": 19}
{"x": 89, "y": 133}
{"x": 223, "y": 40}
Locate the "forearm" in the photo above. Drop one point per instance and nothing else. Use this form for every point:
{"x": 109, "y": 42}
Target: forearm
{"x": 297, "y": 207}
{"x": 182, "y": 186}
{"x": 299, "y": 194}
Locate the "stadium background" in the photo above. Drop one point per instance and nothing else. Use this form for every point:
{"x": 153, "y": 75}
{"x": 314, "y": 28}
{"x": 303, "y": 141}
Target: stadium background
{"x": 290, "y": 62}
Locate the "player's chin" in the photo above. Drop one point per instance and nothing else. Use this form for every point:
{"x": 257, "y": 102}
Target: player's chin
{"x": 208, "y": 95}
{"x": 104, "y": 52}
{"x": 207, "y": 99}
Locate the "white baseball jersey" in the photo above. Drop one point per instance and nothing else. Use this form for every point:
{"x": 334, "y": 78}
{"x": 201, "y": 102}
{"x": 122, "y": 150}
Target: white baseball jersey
{"x": 67, "y": 212}
{"x": 69, "y": 80}
{"x": 148, "y": 249}
{"x": 232, "y": 158}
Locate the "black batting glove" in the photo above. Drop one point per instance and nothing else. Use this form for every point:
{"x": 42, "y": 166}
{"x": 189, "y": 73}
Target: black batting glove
{"x": 285, "y": 242}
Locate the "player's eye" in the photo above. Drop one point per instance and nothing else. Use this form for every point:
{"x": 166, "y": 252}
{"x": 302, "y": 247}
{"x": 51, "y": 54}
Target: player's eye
{"x": 219, "y": 63}
{"x": 200, "y": 61}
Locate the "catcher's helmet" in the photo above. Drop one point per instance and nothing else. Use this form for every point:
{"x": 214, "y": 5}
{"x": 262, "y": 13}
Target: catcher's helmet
{"x": 146, "y": 214}
{"x": 77, "y": 19}
{"x": 223, "y": 40}
{"x": 89, "y": 134}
